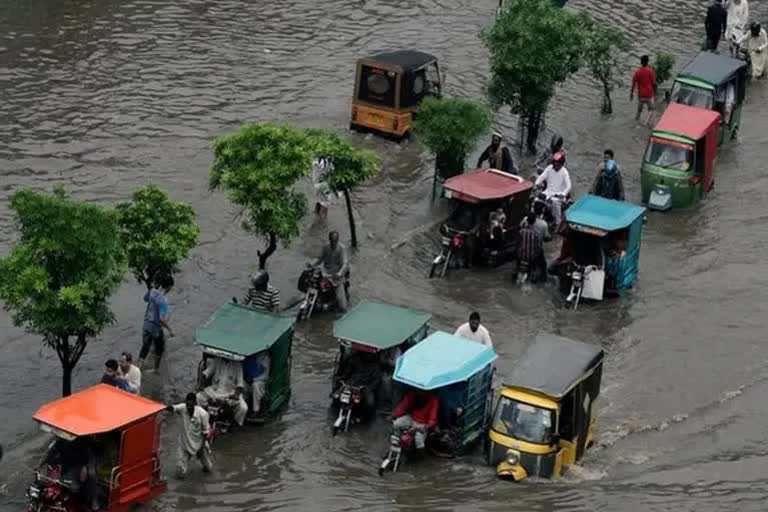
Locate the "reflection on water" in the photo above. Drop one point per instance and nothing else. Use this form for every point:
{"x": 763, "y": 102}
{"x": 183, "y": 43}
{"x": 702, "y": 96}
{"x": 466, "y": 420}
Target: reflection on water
{"x": 106, "y": 96}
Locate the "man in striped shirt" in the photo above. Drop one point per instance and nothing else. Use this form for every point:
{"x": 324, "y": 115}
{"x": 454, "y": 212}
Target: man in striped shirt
{"x": 261, "y": 294}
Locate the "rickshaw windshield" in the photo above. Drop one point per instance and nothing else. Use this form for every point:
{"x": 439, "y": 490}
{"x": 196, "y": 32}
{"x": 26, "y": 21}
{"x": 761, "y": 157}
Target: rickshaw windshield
{"x": 669, "y": 154}
{"x": 524, "y": 421}
{"x": 692, "y": 96}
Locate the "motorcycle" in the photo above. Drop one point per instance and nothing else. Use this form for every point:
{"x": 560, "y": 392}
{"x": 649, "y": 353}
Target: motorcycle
{"x": 350, "y": 398}
{"x": 221, "y": 415}
{"x": 319, "y": 290}
{"x": 49, "y": 493}
{"x": 400, "y": 443}
{"x": 540, "y": 201}
{"x": 452, "y": 243}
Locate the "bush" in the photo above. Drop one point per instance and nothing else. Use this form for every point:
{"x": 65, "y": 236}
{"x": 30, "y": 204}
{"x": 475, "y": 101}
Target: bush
{"x": 662, "y": 65}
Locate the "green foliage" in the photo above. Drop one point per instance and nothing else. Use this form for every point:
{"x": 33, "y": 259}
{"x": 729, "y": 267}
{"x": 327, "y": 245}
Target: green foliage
{"x": 662, "y": 64}
{"x": 451, "y": 125}
{"x": 533, "y": 45}
{"x": 157, "y": 233}
{"x": 258, "y": 167}
{"x": 604, "y": 46}
{"x": 58, "y": 279}
{"x": 351, "y": 166}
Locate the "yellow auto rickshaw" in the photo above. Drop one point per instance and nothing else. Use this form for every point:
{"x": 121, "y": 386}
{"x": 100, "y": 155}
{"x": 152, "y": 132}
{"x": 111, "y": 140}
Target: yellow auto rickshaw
{"x": 389, "y": 88}
{"x": 544, "y": 418}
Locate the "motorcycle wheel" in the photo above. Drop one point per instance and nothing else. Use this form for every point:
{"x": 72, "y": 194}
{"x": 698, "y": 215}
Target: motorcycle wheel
{"x": 432, "y": 270}
{"x": 447, "y": 262}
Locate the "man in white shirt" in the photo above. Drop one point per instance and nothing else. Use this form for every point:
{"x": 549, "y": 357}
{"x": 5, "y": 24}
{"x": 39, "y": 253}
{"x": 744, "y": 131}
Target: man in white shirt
{"x": 558, "y": 184}
{"x": 472, "y": 330}
{"x": 227, "y": 384}
{"x": 129, "y": 372}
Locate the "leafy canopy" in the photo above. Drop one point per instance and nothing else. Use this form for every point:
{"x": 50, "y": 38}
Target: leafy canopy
{"x": 58, "y": 279}
{"x": 350, "y": 166}
{"x": 451, "y": 125}
{"x": 662, "y": 65}
{"x": 533, "y": 45}
{"x": 604, "y": 46}
{"x": 258, "y": 167}
{"x": 157, "y": 233}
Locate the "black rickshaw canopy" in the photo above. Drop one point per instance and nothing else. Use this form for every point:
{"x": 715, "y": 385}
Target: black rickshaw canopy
{"x": 551, "y": 365}
{"x": 407, "y": 60}
{"x": 713, "y": 68}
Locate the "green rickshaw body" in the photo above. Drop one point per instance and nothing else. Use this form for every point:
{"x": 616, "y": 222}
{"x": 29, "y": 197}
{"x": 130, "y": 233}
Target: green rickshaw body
{"x": 379, "y": 329}
{"x": 706, "y": 82}
{"x": 238, "y": 333}
{"x": 679, "y": 157}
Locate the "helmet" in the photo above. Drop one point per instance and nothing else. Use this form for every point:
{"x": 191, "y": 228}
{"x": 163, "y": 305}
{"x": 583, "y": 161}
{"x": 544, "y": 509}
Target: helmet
{"x": 559, "y": 157}
{"x": 754, "y": 28}
{"x": 556, "y": 144}
{"x": 260, "y": 279}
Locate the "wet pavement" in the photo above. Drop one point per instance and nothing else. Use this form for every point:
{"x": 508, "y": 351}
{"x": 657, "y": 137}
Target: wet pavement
{"x": 107, "y": 96}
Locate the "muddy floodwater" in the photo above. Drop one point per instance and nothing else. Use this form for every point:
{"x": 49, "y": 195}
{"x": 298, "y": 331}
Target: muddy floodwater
{"x": 106, "y": 96}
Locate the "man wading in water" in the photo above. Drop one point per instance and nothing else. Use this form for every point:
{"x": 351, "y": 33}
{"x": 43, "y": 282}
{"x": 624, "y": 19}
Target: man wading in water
{"x": 498, "y": 156}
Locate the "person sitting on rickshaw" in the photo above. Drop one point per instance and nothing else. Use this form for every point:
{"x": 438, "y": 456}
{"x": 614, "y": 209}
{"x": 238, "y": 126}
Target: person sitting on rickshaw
{"x": 451, "y": 408}
{"x": 614, "y": 264}
{"x": 227, "y": 385}
{"x": 362, "y": 369}
{"x": 497, "y": 228}
{"x": 465, "y": 219}
{"x": 498, "y": 156}
{"x": 256, "y": 369}
{"x": 78, "y": 468}
{"x": 417, "y": 410}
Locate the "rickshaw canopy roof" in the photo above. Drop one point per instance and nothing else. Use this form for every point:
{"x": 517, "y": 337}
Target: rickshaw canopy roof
{"x": 242, "y": 330}
{"x": 691, "y": 122}
{"x": 551, "y": 365}
{"x": 604, "y": 214}
{"x": 485, "y": 185}
{"x": 379, "y": 325}
{"x": 442, "y": 359}
{"x": 405, "y": 59}
{"x": 712, "y": 68}
{"x": 96, "y": 410}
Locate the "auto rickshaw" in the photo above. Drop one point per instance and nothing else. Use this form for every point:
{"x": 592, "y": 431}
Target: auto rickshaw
{"x": 680, "y": 158}
{"x": 261, "y": 342}
{"x": 459, "y": 373}
{"x": 489, "y": 205}
{"x": 544, "y": 416}
{"x": 118, "y": 434}
{"x": 603, "y": 237}
{"x": 714, "y": 82}
{"x": 371, "y": 338}
{"x": 389, "y": 88}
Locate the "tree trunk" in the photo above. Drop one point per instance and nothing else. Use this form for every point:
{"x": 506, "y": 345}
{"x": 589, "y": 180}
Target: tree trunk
{"x": 607, "y": 103}
{"x": 351, "y": 217}
{"x": 66, "y": 380}
{"x": 534, "y": 124}
{"x": 271, "y": 246}
{"x": 69, "y": 356}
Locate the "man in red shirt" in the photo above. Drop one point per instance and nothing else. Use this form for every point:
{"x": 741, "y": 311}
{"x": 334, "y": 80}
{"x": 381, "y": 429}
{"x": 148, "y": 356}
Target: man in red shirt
{"x": 645, "y": 82}
{"x": 417, "y": 410}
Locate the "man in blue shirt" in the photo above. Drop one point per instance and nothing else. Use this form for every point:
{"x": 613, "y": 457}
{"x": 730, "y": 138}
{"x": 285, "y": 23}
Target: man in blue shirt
{"x": 156, "y": 319}
{"x": 112, "y": 378}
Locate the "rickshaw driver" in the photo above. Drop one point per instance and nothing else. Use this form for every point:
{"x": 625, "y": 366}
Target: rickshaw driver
{"x": 558, "y": 183}
{"x": 362, "y": 369}
{"x": 227, "y": 385}
{"x": 78, "y": 466}
{"x": 498, "y": 156}
{"x": 335, "y": 263}
{"x": 417, "y": 410}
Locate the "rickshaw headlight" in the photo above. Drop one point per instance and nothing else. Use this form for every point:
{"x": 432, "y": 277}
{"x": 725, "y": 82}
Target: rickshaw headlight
{"x": 512, "y": 458}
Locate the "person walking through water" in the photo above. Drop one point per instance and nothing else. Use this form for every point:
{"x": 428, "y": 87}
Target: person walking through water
{"x": 644, "y": 80}
{"x": 498, "y": 156}
{"x": 715, "y": 24}
{"x": 756, "y": 42}
{"x": 608, "y": 182}
{"x": 155, "y": 320}
{"x": 194, "y": 435}
{"x": 736, "y": 23}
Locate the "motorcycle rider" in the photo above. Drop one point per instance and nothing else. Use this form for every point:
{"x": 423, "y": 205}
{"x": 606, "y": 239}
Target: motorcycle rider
{"x": 756, "y": 42}
{"x": 78, "y": 465}
{"x": 498, "y": 156}
{"x": 227, "y": 385}
{"x": 555, "y": 145}
{"x": 333, "y": 257}
{"x": 608, "y": 182}
{"x": 261, "y": 294}
{"x": 362, "y": 369}
{"x": 558, "y": 184}
{"x": 417, "y": 410}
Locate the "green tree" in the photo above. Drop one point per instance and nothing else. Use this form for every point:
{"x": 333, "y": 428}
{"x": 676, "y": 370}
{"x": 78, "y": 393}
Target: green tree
{"x": 534, "y": 45}
{"x": 349, "y": 167}
{"x": 604, "y": 46}
{"x": 157, "y": 233}
{"x": 662, "y": 64}
{"x": 58, "y": 279}
{"x": 450, "y": 128}
{"x": 258, "y": 167}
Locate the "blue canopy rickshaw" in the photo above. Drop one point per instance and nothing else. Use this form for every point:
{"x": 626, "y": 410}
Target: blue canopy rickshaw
{"x": 604, "y": 236}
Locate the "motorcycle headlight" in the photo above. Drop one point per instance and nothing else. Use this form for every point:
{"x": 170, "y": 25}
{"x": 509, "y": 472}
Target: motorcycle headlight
{"x": 33, "y": 492}
{"x": 512, "y": 458}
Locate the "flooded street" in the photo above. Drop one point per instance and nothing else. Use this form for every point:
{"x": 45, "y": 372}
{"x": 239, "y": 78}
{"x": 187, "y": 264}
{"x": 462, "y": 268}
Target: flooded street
{"x": 108, "y": 96}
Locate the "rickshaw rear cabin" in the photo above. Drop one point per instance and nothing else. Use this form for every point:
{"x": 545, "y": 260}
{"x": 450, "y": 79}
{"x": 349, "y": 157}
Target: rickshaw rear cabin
{"x": 389, "y": 88}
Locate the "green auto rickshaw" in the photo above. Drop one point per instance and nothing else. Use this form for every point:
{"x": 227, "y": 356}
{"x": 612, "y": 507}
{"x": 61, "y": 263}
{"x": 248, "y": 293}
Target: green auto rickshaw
{"x": 714, "y": 82}
{"x": 258, "y": 345}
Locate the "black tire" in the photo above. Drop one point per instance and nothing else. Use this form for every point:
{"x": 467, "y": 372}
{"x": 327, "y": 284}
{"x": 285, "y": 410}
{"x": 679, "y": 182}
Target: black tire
{"x": 432, "y": 270}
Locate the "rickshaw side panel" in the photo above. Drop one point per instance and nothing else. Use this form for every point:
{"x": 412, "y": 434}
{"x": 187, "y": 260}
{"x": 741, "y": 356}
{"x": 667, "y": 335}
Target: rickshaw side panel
{"x": 476, "y": 402}
{"x": 278, "y": 389}
{"x": 710, "y": 139}
{"x": 631, "y": 263}
{"x": 138, "y": 474}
